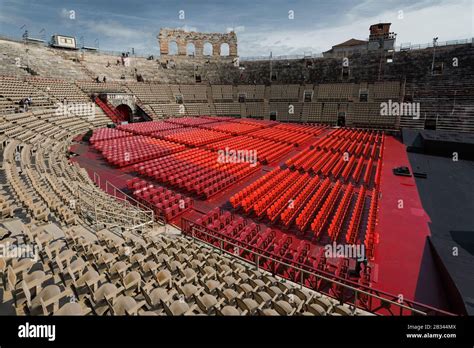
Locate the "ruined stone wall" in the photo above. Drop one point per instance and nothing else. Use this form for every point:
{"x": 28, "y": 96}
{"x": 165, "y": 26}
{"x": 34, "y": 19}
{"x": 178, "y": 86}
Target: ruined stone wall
{"x": 183, "y": 38}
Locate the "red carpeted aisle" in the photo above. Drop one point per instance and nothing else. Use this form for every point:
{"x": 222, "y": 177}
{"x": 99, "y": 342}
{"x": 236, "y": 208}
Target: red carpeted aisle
{"x": 404, "y": 264}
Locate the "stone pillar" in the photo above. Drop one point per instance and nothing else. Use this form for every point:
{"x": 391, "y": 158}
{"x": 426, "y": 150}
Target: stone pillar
{"x": 216, "y": 49}
{"x": 198, "y": 48}
{"x": 233, "y": 49}
{"x": 181, "y": 47}
{"x": 164, "y": 49}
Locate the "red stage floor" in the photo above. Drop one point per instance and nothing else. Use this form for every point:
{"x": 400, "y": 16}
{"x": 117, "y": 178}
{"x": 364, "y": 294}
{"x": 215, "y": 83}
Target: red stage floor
{"x": 403, "y": 263}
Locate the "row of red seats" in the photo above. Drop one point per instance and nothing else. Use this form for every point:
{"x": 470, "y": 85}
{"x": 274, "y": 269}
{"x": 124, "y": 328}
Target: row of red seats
{"x": 332, "y": 164}
{"x": 359, "y": 135}
{"x": 196, "y": 170}
{"x": 358, "y": 170}
{"x": 267, "y": 150}
{"x": 263, "y": 240}
{"x": 102, "y": 134}
{"x": 236, "y": 199}
{"x": 287, "y": 198}
{"x": 232, "y": 127}
{"x": 165, "y": 203}
{"x": 292, "y": 211}
{"x": 312, "y": 206}
{"x": 281, "y": 135}
{"x": 252, "y": 196}
{"x": 370, "y": 234}
{"x": 191, "y": 136}
{"x": 268, "y": 123}
{"x": 219, "y": 118}
{"x": 217, "y": 220}
{"x": 191, "y": 121}
{"x": 265, "y": 199}
{"x": 340, "y": 215}
{"x": 282, "y": 246}
{"x": 354, "y": 224}
{"x": 325, "y": 211}
{"x": 237, "y": 229}
{"x": 250, "y": 236}
{"x": 368, "y": 171}
{"x": 133, "y": 149}
{"x": 146, "y": 128}
{"x": 309, "y": 128}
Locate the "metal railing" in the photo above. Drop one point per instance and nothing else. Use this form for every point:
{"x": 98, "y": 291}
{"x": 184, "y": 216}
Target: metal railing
{"x": 133, "y": 215}
{"x": 344, "y": 290}
{"x": 401, "y": 47}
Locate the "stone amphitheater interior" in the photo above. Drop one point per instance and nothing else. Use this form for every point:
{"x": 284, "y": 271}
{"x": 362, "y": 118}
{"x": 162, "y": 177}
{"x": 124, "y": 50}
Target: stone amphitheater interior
{"x": 189, "y": 164}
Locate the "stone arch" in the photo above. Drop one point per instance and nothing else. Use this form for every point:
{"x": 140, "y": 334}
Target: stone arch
{"x": 190, "y": 49}
{"x": 225, "y": 49}
{"x": 124, "y": 112}
{"x": 172, "y": 48}
{"x": 207, "y": 48}
{"x": 183, "y": 38}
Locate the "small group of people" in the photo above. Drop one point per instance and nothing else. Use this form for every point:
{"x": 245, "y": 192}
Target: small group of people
{"x": 104, "y": 80}
{"x": 25, "y": 103}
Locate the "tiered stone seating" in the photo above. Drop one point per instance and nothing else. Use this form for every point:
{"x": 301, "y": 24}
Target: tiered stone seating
{"x": 283, "y": 110}
{"x": 44, "y": 61}
{"x": 151, "y": 92}
{"x": 13, "y": 90}
{"x": 256, "y": 92}
{"x": 60, "y": 89}
{"x": 339, "y": 91}
{"x": 225, "y": 109}
{"x": 94, "y": 87}
{"x": 256, "y": 109}
{"x": 193, "y": 93}
{"x": 222, "y": 92}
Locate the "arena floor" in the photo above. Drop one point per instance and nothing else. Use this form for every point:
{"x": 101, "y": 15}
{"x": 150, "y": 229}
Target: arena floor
{"x": 403, "y": 264}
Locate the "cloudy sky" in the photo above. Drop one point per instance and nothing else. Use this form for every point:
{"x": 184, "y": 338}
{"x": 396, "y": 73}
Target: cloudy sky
{"x": 261, "y": 25}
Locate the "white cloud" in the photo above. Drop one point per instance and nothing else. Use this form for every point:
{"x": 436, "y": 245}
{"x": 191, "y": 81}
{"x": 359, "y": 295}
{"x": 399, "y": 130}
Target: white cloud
{"x": 114, "y": 30}
{"x": 421, "y": 22}
{"x": 237, "y": 29}
{"x": 188, "y": 28}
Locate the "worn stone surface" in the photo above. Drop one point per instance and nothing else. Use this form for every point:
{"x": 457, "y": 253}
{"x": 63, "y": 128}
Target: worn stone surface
{"x": 183, "y": 38}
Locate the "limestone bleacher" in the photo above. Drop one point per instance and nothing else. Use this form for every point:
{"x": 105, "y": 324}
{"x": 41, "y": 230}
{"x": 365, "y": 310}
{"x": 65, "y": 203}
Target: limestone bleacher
{"x": 256, "y": 109}
{"x": 227, "y": 109}
{"x": 6, "y": 106}
{"x": 12, "y": 59}
{"x": 312, "y": 112}
{"x": 283, "y": 110}
{"x": 252, "y": 92}
{"x": 329, "y": 113}
{"x": 13, "y": 89}
{"x": 42, "y": 61}
{"x": 336, "y": 91}
{"x": 385, "y": 90}
{"x": 284, "y": 92}
{"x": 94, "y": 87}
{"x": 444, "y": 104}
{"x": 368, "y": 115}
{"x": 59, "y": 89}
{"x": 151, "y": 92}
{"x": 192, "y": 93}
{"x": 222, "y": 92}
{"x": 197, "y": 109}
